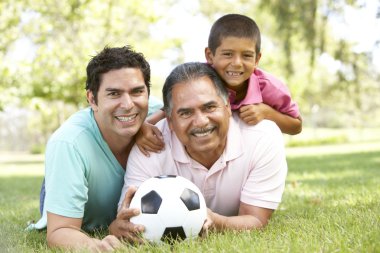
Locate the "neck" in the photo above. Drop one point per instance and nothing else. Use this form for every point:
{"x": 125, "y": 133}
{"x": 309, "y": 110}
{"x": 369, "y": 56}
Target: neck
{"x": 241, "y": 91}
{"x": 120, "y": 150}
{"x": 207, "y": 159}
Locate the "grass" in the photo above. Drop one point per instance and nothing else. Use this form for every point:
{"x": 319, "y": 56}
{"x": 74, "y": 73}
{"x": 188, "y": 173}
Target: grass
{"x": 331, "y": 204}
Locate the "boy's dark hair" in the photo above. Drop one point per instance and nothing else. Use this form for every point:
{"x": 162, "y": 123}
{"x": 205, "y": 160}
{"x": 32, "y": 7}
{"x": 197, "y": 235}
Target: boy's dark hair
{"x": 113, "y": 58}
{"x": 234, "y": 25}
{"x": 189, "y": 72}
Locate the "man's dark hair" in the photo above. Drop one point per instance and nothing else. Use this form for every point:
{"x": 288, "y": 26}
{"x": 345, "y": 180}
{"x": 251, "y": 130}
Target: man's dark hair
{"x": 113, "y": 58}
{"x": 187, "y": 72}
{"x": 234, "y": 25}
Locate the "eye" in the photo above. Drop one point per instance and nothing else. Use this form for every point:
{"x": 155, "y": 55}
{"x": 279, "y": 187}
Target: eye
{"x": 184, "y": 114}
{"x": 210, "y": 108}
{"x": 113, "y": 93}
{"x": 138, "y": 91}
{"x": 248, "y": 56}
{"x": 227, "y": 54}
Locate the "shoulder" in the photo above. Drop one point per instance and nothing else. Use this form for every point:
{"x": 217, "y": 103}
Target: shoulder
{"x": 266, "y": 78}
{"x": 266, "y": 131}
{"x": 264, "y": 127}
{"x": 79, "y": 126}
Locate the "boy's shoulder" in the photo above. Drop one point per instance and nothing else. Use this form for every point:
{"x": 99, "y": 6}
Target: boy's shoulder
{"x": 261, "y": 74}
{"x": 267, "y": 79}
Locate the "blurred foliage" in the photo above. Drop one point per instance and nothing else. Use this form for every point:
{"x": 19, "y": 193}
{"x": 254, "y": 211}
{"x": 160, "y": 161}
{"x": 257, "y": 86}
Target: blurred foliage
{"x": 59, "y": 38}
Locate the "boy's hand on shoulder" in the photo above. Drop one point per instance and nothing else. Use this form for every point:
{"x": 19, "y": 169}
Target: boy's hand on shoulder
{"x": 254, "y": 113}
{"x": 149, "y": 139}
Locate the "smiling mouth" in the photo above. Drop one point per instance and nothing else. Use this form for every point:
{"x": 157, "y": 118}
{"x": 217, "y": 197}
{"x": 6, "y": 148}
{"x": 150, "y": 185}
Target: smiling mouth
{"x": 234, "y": 73}
{"x": 202, "y": 132}
{"x": 126, "y": 118}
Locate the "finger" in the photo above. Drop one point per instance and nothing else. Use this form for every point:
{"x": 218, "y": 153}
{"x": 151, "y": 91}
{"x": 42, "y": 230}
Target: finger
{"x": 154, "y": 147}
{"x": 142, "y": 150}
{"x": 247, "y": 107}
{"x": 128, "y": 196}
{"x": 112, "y": 241}
{"x": 134, "y": 238}
{"x": 158, "y": 133}
{"x": 127, "y": 213}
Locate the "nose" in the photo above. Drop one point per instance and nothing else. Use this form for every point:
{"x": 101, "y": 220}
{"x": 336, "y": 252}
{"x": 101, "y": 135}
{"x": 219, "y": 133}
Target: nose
{"x": 126, "y": 102}
{"x": 200, "y": 119}
{"x": 237, "y": 61}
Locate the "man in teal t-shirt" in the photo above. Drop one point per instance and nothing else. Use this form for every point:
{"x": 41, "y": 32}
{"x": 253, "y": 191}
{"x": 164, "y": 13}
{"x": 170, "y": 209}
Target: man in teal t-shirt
{"x": 86, "y": 157}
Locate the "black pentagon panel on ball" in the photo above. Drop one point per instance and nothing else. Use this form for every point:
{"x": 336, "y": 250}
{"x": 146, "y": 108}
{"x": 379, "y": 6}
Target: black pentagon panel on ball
{"x": 190, "y": 199}
{"x": 151, "y": 202}
{"x": 172, "y": 234}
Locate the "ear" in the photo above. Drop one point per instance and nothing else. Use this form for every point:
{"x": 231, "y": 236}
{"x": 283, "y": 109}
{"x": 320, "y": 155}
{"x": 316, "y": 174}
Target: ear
{"x": 228, "y": 108}
{"x": 258, "y": 57}
{"x": 91, "y": 100}
{"x": 209, "y": 56}
{"x": 170, "y": 123}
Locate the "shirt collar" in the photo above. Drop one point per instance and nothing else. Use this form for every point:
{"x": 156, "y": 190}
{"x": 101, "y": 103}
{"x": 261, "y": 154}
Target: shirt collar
{"x": 253, "y": 95}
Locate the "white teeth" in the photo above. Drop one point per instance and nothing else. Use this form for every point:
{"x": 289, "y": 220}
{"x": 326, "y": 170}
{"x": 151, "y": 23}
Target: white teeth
{"x": 202, "y": 133}
{"x": 234, "y": 73}
{"x": 125, "y": 119}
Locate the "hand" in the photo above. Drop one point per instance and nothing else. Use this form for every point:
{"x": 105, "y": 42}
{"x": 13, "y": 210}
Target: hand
{"x": 208, "y": 224}
{"x": 254, "y": 113}
{"x": 121, "y": 227}
{"x": 149, "y": 139}
{"x": 109, "y": 243}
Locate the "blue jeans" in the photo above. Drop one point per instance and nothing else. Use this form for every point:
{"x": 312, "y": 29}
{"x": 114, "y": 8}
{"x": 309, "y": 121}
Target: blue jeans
{"x": 42, "y": 196}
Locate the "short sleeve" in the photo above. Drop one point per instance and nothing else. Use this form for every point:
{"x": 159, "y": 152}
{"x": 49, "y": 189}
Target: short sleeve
{"x": 266, "y": 182}
{"x": 66, "y": 184}
{"x": 155, "y": 104}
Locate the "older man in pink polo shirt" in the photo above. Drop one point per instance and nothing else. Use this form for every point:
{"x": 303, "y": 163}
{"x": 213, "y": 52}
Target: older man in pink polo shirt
{"x": 240, "y": 169}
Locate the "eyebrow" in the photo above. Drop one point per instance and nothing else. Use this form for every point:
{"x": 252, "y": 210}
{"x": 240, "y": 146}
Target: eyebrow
{"x": 133, "y": 89}
{"x": 204, "y": 105}
{"x": 210, "y": 103}
{"x": 142, "y": 87}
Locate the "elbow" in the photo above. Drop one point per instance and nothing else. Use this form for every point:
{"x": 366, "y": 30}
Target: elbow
{"x": 296, "y": 129}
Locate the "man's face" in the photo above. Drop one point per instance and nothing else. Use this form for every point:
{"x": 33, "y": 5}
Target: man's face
{"x": 122, "y": 104}
{"x": 234, "y": 60}
{"x": 199, "y": 117}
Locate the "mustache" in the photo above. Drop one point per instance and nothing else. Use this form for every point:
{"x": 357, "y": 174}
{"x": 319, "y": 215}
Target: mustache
{"x": 201, "y": 130}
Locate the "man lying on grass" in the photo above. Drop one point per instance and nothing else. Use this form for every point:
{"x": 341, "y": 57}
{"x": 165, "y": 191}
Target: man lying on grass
{"x": 240, "y": 169}
{"x": 86, "y": 157}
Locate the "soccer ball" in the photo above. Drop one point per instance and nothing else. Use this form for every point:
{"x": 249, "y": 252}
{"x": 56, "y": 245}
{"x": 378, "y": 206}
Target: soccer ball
{"x": 172, "y": 208}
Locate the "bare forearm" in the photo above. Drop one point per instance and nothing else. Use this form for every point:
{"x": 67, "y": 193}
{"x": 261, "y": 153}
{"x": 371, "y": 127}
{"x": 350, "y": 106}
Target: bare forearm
{"x": 243, "y": 222}
{"x": 155, "y": 117}
{"x": 71, "y": 238}
{"x": 286, "y": 123}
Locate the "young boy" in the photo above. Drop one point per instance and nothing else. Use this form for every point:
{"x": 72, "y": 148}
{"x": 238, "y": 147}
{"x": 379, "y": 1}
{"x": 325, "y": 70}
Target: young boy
{"x": 234, "y": 52}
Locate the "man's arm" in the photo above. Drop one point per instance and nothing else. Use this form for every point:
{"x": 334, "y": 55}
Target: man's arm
{"x": 121, "y": 227}
{"x": 250, "y": 217}
{"x": 64, "y": 232}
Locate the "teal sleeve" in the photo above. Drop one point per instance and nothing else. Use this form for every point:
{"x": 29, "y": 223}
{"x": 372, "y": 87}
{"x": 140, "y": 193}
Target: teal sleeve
{"x": 66, "y": 184}
{"x": 155, "y": 104}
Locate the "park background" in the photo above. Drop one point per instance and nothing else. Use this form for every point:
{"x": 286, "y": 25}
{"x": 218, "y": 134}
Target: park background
{"x": 326, "y": 51}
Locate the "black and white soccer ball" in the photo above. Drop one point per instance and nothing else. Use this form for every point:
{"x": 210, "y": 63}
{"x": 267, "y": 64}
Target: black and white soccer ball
{"x": 172, "y": 208}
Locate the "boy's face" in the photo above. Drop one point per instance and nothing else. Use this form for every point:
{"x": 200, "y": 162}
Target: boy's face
{"x": 234, "y": 60}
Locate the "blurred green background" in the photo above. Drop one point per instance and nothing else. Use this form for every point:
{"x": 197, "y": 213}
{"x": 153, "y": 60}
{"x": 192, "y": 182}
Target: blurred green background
{"x": 327, "y": 51}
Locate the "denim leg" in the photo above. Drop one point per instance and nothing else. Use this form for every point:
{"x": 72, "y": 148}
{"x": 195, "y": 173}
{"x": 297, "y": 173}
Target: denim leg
{"x": 42, "y": 196}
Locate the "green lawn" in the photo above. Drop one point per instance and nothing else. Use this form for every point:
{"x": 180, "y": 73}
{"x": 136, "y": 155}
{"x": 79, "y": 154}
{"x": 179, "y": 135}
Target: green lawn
{"x": 331, "y": 204}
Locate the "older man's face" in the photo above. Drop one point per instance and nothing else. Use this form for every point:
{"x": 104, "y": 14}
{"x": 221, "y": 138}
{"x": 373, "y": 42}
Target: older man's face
{"x": 199, "y": 117}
